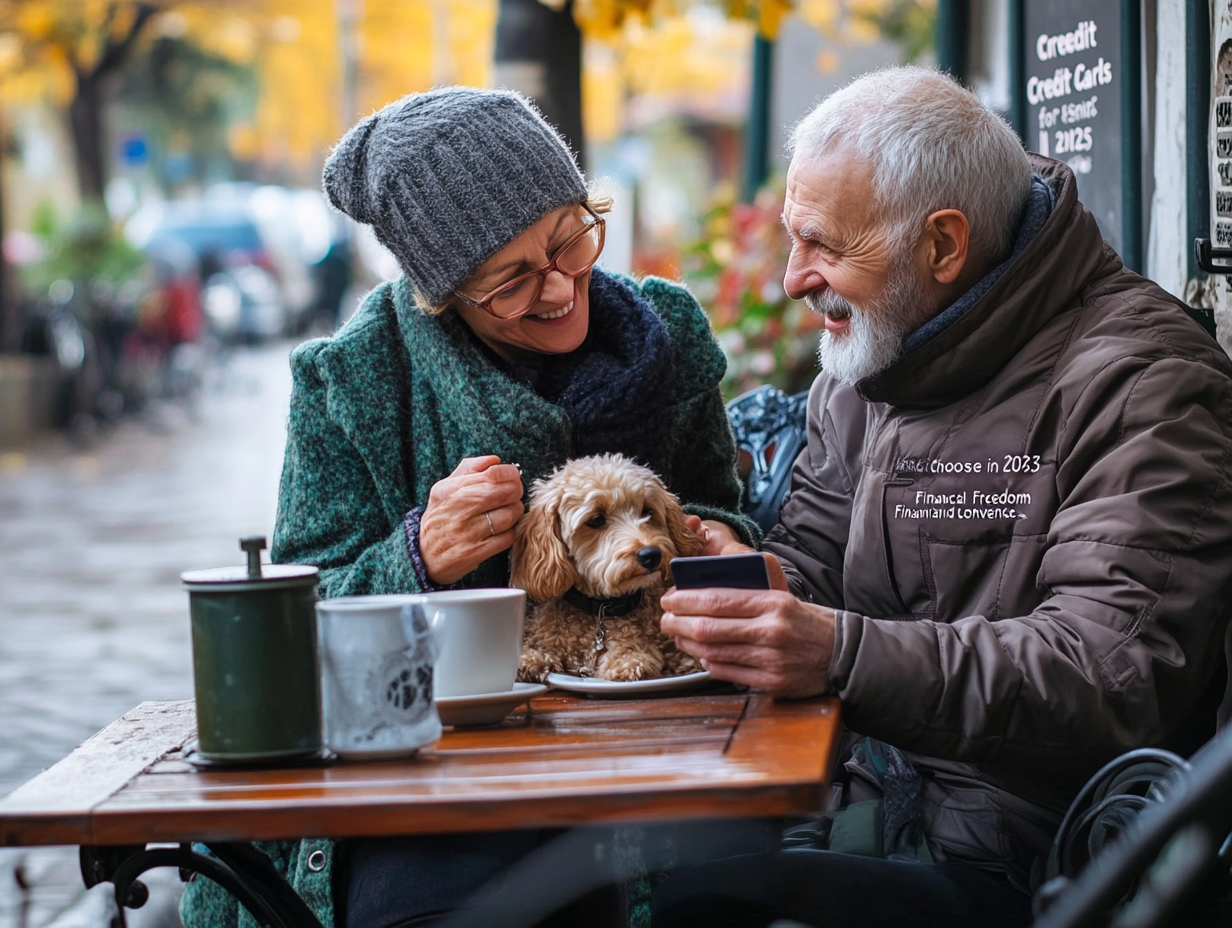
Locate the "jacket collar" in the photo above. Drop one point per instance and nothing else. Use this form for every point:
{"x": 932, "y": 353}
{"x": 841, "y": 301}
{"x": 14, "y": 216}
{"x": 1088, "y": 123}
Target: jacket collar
{"x": 390, "y": 340}
{"x": 1044, "y": 280}
{"x": 503, "y": 415}
{"x": 366, "y": 367}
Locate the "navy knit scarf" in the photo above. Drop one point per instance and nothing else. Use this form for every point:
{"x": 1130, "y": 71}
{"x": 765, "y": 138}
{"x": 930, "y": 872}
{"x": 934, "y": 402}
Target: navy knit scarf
{"x": 615, "y": 386}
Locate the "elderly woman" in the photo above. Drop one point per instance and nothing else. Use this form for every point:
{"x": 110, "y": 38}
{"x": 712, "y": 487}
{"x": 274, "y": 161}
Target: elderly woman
{"x": 502, "y": 347}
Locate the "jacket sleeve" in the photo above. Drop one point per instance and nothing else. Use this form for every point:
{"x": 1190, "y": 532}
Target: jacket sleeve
{"x": 329, "y": 511}
{"x": 810, "y": 539}
{"x": 205, "y": 904}
{"x": 1135, "y": 586}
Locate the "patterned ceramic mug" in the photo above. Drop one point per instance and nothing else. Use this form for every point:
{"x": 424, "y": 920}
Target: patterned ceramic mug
{"x": 377, "y": 664}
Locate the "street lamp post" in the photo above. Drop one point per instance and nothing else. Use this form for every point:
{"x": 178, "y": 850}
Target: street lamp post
{"x": 953, "y": 36}
{"x": 757, "y": 135}
{"x": 539, "y": 53}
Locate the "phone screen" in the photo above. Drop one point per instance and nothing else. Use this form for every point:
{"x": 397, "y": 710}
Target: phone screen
{"x": 739, "y": 571}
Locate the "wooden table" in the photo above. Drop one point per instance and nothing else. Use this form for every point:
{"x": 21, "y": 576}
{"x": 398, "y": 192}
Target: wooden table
{"x": 561, "y": 761}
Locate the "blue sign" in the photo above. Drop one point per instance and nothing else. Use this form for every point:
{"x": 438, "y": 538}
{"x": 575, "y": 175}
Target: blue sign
{"x": 135, "y": 152}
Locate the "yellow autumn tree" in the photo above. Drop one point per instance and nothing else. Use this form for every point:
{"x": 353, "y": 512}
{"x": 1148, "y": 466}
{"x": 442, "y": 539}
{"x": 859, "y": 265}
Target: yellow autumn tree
{"x": 72, "y": 47}
{"x": 320, "y": 72}
{"x": 899, "y": 20}
{"x": 65, "y": 52}
{"x": 317, "y": 71}
{"x": 662, "y": 47}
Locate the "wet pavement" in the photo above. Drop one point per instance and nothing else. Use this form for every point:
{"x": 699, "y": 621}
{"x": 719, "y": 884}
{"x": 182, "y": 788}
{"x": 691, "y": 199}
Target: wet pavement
{"x": 92, "y": 618}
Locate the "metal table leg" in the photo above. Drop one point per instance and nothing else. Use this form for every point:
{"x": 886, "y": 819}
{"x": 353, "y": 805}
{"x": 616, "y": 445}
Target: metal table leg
{"x": 242, "y": 870}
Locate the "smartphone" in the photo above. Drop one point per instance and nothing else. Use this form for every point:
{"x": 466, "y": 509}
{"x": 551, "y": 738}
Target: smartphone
{"x": 739, "y": 571}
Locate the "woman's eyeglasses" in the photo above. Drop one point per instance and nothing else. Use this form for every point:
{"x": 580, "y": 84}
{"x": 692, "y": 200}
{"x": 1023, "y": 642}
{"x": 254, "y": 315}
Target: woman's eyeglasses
{"x": 574, "y": 258}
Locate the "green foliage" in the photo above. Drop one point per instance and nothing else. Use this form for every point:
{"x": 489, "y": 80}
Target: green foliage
{"x": 911, "y": 24}
{"x": 85, "y": 249}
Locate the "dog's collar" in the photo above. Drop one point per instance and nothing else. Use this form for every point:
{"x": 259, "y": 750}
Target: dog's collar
{"x": 603, "y": 608}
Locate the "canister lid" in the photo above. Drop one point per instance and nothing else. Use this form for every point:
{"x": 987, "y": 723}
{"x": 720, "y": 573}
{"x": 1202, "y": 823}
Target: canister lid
{"x": 254, "y": 576}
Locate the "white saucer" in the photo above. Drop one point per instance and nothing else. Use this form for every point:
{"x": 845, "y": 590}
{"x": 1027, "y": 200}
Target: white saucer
{"x": 622, "y": 689}
{"x": 485, "y": 708}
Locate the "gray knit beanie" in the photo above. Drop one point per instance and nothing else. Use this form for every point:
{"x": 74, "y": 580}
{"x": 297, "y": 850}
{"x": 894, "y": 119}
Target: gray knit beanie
{"x": 449, "y": 177}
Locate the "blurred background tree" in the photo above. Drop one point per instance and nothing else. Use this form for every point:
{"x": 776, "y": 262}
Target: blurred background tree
{"x": 75, "y": 48}
{"x": 161, "y": 99}
{"x": 175, "y": 105}
{"x": 280, "y": 79}
{"x": 539, "y": 52}
{"x": 199, "y": 64}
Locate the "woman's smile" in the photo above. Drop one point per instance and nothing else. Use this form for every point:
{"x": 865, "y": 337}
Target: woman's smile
{"x": 558, "y": 321}
{"x": 555, "y": 313}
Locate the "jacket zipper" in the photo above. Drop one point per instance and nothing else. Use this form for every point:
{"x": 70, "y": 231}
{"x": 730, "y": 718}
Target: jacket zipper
{"x": 887, "y": 553}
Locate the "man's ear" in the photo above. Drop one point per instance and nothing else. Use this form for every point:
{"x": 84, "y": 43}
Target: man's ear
{"x": 946, "y": 239}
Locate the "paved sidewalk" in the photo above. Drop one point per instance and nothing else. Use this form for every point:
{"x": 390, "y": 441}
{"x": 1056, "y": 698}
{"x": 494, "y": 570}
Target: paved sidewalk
{"x": 92, "y": 617}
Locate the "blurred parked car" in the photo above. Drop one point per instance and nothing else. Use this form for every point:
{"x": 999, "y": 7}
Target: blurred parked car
{"x": 242, "y": 298}
{"x": 243, "y": 303}
{"x": 297, "y": 226}
{"x": 167, "y": 344}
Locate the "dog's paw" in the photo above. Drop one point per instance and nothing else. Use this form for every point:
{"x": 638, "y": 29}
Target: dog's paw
{"x": 624, "y": 674}
{"x": 625, "y": 668}
{"x": 536, "y": 669}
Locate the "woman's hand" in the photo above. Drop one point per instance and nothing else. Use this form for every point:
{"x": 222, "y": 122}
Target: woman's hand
{"x": 469, "y": 517}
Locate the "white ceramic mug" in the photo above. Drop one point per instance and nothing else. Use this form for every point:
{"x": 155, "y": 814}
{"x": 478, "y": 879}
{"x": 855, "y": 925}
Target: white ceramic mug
{"x": 479, "y": 634}
{"x": 377, "y": 657}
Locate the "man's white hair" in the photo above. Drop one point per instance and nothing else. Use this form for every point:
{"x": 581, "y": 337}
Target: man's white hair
{"x": 932, "y": 145}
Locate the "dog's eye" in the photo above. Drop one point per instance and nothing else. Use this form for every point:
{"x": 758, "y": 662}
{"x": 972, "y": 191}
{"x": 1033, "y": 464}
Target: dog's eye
{"x": 598, "y": 520}
{"x": 647, "y": 513}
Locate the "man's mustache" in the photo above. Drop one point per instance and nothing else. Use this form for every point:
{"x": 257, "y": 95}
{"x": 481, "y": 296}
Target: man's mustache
{"x": 829, "y": 304}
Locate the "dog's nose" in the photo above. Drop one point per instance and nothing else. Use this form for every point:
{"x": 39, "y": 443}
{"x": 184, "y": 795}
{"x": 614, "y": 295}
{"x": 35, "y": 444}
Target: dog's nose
{"x": 649, "y": 557}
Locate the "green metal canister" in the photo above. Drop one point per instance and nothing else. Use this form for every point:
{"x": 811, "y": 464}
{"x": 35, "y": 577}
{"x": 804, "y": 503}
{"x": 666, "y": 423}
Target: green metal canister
{"x": 255, "y": 663}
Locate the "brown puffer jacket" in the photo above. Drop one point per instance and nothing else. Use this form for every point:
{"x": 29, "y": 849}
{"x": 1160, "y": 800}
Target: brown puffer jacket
{"x": 1026, "y": 527}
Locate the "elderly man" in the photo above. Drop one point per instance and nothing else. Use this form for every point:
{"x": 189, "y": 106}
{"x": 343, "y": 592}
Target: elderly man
{"x": 1008, "y": 543}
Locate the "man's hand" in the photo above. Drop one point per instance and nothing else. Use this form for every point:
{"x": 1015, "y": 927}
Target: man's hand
{"x": 766, "y": 639}
{"x": 720, "y": 539}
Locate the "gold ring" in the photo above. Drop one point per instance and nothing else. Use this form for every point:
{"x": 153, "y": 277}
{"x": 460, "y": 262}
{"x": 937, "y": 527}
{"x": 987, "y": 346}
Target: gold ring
{"x": 491, "y": 527}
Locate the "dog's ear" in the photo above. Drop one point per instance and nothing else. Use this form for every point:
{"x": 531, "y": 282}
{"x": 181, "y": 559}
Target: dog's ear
{"x": 539, "y": 560}
{"x": 687, "y": 544}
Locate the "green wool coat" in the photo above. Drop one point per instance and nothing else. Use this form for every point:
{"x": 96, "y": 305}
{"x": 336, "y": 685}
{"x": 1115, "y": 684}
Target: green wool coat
{"x": 387, "y": 407}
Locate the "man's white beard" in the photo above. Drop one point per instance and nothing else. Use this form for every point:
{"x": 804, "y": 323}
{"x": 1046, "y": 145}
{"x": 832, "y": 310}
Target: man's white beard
{"x": 874, "y": 337}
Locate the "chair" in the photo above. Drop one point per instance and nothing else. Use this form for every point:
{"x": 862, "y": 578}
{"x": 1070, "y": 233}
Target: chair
{"x": 769, "y": 427}
{"x": 1158, "y": 842}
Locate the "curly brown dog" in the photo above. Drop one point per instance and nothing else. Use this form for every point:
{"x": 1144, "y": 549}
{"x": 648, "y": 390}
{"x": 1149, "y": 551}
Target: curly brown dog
{"x": 594, "y": 551}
